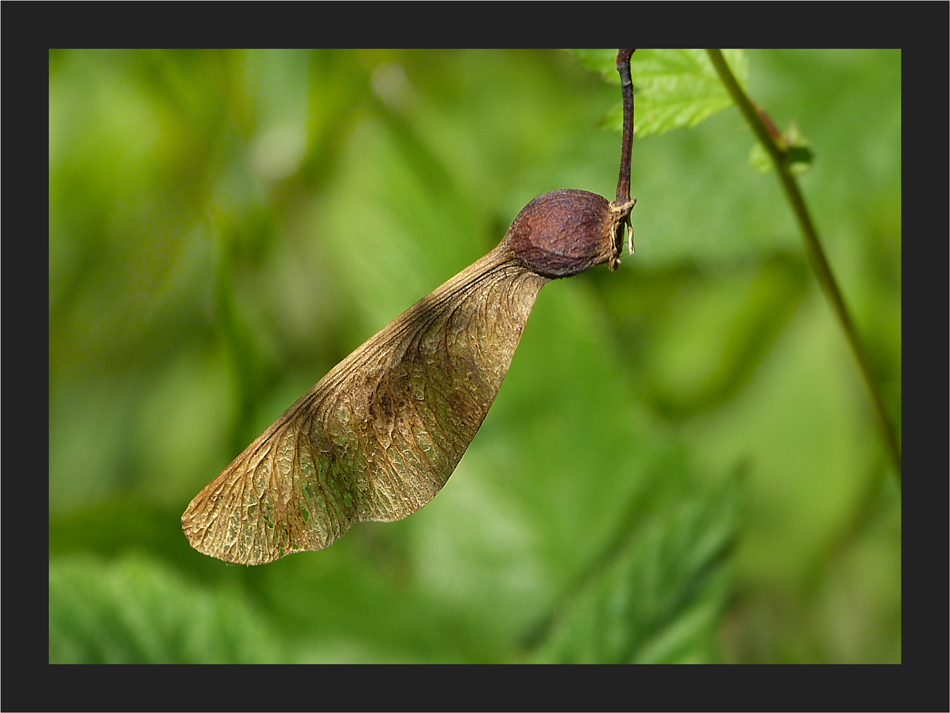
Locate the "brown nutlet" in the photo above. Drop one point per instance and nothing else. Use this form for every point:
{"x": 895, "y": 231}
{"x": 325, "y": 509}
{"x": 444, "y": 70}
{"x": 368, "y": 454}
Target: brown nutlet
{"x": 564, "y": 232}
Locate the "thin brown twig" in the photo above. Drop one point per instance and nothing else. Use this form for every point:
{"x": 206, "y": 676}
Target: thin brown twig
{"x": 626, "y": 87}
{"x": 813, "y": 246}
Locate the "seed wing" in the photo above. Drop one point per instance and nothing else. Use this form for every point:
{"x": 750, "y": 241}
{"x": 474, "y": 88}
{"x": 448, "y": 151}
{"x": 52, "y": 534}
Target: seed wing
{"x": 381, "y": 433}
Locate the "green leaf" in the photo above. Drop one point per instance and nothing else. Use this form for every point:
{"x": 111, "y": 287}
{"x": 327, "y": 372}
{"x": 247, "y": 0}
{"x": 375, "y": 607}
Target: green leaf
{"x": 673, "y": 88}
{"x": 135, "y": 610}
{"x": 660, "y": 600}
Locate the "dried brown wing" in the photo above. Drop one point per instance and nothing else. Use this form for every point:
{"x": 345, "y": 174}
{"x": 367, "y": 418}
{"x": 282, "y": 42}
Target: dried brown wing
{"x": 273, "y": 499}
{"x": 381, "y": 433}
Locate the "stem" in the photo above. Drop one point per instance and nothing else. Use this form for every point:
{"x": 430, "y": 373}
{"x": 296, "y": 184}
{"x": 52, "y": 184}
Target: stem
{"x": 813, "y": 247}
{"x": 626, "y": 87}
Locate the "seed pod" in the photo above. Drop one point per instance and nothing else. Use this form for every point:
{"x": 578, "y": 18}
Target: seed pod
{"x": 381, "y": 433}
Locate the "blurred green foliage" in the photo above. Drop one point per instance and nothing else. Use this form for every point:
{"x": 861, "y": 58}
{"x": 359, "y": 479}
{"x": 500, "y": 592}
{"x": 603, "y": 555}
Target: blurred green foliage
{"x": 682, "y": 464}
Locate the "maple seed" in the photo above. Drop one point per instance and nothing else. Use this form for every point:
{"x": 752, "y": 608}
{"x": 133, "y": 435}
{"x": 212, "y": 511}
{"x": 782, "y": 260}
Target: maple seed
{"x": 381, "y": 433}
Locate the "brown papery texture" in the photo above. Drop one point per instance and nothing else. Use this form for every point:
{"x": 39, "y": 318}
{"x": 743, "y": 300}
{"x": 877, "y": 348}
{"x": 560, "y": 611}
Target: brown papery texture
{"x": 381, "y": 433}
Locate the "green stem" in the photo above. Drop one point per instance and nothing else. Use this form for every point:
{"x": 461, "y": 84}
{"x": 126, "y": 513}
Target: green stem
{"x": 813, "y": 246}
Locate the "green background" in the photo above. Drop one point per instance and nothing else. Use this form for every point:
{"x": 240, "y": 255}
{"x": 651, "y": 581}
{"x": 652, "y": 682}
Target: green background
{"x": 682, "y": 464}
